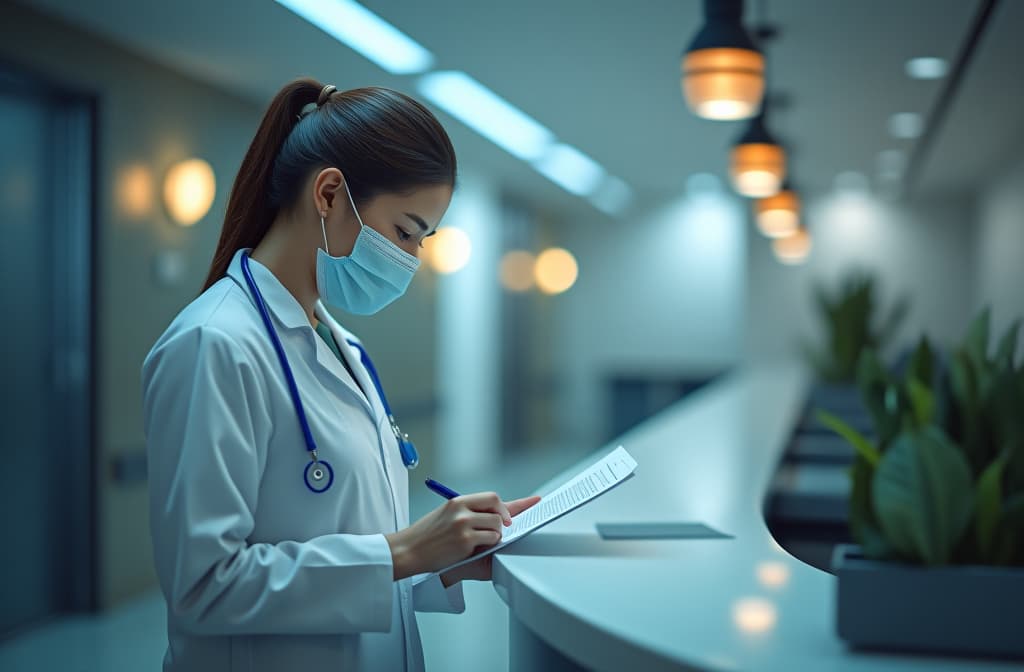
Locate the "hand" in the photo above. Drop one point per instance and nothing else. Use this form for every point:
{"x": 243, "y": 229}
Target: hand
{"x": 480, "y": 569}
{"x": 448, "y": 534}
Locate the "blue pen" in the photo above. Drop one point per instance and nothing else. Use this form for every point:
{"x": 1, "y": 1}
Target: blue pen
{"x": 442, "y": 490}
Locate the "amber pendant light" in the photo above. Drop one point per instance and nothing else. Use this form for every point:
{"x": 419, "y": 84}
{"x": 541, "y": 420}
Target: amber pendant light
{"x": 779, "y": 215}
{"x": 722, "y": 69}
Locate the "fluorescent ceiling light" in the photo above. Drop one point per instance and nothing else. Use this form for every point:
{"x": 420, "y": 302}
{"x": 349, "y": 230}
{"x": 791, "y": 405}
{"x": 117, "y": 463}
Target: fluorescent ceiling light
{"x": 487, "y": 113}
{"x": 571, "y": 169}
{"x": 927, "y": 67}
{"x": 367, "y": 33}
{"x": 905, "y": 125}
{"x": 612, "y": 197}
{"x": 891, "y": 163}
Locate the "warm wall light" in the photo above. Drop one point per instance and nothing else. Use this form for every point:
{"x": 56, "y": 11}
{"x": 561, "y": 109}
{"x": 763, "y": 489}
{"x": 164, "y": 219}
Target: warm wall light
{"x": 555, "y": 270}
{"x": 722, "y": 69}
{"x": 135, "y": 191}
{"x": 794, "y": 248}
{"x": 779, "y": 215}
{"x": 449, "y": 250}
{"x": 758, "y": 161}
{"x": 189, "y": 189}
{"x": 517, "y": 267}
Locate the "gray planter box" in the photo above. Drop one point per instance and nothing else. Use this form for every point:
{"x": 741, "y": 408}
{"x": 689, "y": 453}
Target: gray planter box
{"x": 970, "y": 610}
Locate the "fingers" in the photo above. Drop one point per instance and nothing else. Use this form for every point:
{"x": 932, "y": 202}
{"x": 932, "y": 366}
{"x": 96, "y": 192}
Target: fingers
{"x": 483, "y": 502}
{"x": 517, "y": 506}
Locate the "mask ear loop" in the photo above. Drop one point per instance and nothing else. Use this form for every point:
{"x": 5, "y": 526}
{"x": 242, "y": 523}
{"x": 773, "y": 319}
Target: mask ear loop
{"x": 323, "y": 230}
{"x": 353, "y": 203}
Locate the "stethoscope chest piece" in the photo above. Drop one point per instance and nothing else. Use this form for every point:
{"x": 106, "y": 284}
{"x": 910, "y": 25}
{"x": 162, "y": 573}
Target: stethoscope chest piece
{"x": 318, "y": 475}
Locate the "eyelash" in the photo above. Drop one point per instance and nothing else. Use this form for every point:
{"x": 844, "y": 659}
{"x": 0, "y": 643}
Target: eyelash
{"x": 404, "y": 235}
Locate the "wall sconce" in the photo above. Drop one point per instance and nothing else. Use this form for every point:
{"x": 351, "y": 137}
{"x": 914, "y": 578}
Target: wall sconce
{"x": 189, "y": 188}
{"x": 555, "y": 270}
{"x": 448, "y": 251}
{"x": 516, "y": 270}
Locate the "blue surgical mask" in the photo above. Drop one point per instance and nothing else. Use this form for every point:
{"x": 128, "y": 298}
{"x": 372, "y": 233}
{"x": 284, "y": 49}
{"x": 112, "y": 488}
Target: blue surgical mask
{"x": 376, "y": 272}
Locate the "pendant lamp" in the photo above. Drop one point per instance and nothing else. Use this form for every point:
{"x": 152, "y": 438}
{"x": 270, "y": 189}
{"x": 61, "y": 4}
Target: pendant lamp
{"x": 758, "y": 161}
{"x": 722, "y": 69}
{"x": 779, "y": 215}
{"x": 794, "y": 248}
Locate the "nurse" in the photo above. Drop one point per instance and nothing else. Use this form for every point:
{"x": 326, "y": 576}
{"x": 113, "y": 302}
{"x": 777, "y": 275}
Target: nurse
{"x": 277, "y": 478}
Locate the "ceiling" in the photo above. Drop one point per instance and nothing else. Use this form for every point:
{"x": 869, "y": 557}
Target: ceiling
{"x": 604, "y": 76}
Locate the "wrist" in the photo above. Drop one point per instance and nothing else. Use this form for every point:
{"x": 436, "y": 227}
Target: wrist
{"x": 400, "y": 555}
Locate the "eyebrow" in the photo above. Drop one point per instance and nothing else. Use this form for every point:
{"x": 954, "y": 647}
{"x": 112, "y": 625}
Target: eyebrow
{"x": 419, "y": 220}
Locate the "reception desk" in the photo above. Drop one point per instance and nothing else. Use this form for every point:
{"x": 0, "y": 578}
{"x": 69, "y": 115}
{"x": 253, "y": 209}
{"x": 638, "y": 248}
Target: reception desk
{"x": 734, "y": 602}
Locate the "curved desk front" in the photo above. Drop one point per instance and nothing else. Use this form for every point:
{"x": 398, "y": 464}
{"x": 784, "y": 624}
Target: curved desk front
{"x": 733, "y": 603}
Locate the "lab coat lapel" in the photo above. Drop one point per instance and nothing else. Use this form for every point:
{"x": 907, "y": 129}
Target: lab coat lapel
{"x": 355, "y": 363}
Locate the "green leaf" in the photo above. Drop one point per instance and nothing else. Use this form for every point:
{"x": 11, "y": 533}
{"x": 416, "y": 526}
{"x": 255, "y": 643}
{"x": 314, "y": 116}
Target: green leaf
{"x": 922, "y": 363}
{"x": 863, "y": 523}
{"x": 1011, "y": 530}
{"x": 976, "y": 342}
{"x": 923, "y": 495}
{"x": 874, "y": 381}
{"x": 855, "y": 438}
{"x": 1008, "y": 345}
{"x": 987, "y": 503}
{"x": 921, "y": 400}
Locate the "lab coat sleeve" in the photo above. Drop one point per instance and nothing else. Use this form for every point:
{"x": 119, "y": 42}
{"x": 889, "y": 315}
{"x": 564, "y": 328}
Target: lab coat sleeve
{"x": 429, "y": 594}
{"x": 205, "y": 412}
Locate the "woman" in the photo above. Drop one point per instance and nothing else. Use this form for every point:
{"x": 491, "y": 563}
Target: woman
{"x": 279, "y": 511}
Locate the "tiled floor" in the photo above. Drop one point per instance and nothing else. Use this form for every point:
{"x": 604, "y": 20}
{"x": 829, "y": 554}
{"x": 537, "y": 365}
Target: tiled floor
{"x": 132, "y": 637}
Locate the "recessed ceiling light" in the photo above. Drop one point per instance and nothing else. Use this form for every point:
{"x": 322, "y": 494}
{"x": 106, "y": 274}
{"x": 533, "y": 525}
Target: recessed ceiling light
{"x": 850, "y": 180}
{"x": 927, "y": 67}
{"x": 905, "y": 125}
{"x": 891, "y": 163}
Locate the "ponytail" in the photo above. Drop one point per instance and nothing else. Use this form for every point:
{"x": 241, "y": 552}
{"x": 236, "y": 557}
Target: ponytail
{"x": 382, "y": 141}
{"x": 250, "y": 213}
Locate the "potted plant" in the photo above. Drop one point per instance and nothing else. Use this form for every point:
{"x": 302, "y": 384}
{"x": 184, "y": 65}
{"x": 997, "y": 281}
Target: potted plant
{"x": 849, "y": 319}
{"x": 937, "y": 502}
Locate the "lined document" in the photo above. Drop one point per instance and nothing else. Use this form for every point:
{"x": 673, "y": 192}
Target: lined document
{"x": 592, "y": 482}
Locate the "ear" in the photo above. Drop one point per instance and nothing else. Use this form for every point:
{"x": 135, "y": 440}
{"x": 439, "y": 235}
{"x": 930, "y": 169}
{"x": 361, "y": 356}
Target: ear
{"x": 326, "y": 185}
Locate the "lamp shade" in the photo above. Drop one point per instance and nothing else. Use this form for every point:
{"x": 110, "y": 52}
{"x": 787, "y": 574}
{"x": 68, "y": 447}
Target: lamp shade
{"x": 794, "y": 248}
{"x": 722, "y": 69}
{"x": 758, "y": 161}
{"x": 779, "y": 215}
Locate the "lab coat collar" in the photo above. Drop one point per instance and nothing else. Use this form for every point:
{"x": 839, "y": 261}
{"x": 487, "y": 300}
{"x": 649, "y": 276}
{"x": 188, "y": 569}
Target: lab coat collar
{"x": 280, "y": 302}
{"x": 344, "y": 339}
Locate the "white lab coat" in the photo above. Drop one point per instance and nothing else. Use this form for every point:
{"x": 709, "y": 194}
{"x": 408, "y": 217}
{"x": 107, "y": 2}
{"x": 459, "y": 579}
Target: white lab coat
{"x": 258, "y": 572}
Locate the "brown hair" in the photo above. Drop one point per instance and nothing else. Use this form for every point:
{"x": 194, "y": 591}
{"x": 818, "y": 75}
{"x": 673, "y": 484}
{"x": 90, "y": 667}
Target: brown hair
{"x": 381, "y": 140}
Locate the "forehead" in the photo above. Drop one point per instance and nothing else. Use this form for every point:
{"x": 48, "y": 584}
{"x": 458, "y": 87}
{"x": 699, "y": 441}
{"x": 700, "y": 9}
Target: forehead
{"x": 429, "y": 202}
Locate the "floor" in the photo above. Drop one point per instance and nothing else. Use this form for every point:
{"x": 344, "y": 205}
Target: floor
{"x": 132, "y": 637}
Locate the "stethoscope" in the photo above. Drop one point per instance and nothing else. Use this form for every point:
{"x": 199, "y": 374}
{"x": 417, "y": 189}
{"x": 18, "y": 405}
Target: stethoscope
{"x": 319, "y": 475}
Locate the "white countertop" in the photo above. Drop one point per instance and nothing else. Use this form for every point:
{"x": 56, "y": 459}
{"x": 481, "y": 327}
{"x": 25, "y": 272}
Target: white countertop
{"x": 706, "y": 604}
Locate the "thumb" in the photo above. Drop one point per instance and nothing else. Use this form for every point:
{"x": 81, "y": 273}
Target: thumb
{"x": 517, "y": 506}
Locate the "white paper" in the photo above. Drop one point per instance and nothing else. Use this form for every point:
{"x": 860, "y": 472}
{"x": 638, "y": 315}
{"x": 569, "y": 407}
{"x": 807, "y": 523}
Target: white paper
{"x": 592, "y": 482}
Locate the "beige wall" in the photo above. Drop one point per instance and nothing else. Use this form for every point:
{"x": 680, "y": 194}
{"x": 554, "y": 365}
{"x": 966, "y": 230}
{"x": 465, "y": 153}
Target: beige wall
{"x": 1000, "y": 247}
{"x": 148, "y": 117}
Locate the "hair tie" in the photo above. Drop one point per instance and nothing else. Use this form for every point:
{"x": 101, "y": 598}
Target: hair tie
{"x": 325, "y": 94}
